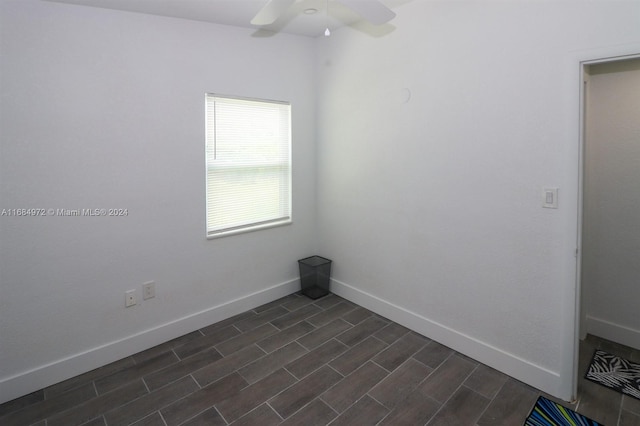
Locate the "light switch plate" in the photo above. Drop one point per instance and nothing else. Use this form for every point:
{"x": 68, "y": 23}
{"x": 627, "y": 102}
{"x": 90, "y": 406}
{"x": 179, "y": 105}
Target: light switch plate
{"x": 550, "y": 198}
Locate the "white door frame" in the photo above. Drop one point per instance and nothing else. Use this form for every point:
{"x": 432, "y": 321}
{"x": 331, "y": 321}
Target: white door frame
{"x": 582, "y": 60}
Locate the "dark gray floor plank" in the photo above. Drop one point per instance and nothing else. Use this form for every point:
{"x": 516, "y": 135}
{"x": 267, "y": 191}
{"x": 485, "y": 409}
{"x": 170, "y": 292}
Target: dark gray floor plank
{"x": 433, "y": 354}
{"x": 349, "y": 361}
{"x": 400, "y": 384}
{"x": 149, "y": 403}
{"x": 154, "y": 419}
{"x": 246, "y": 339}
{"x": 296, "y": 316}
{"x": 285, "y": 336}
{"x": 49, "y": 407}
{"x": 464, "y": 408}
{"x": 399, "y": 351}
{"x": 361, "y": 331}
{"x": 180, "y": 369}
{"x": 511, "y": 406}
{"x": 210, "y": 417}
{"x": 330, "y": 314}
{"x": 261, "y": 318}
{"x": 445, "y": 379}
{"x": 90, "y": 409}
{"x": 266, "y": 365}
{"x": 315, "y": 359}
{"x": 135, "y": 372}
{"x": 304, "y": 391}
{"x": 227, "y": 365}
{"x": 628, "y": 418}
{"x": 486, "y": 381}
{"x": 201, "y": 400}
{"x": 347, "y": 391}
{"x": 254, "y": 395}
{"x": 261, "y": 416}
{"x": 324, "y": 333}
{"x": 316, "y": 413}
{"x": 365, "y": 412}
{"x": 24, "y": 401}
{"x": 415, "y": 409}
{"x": 596, "y": 402}
{"x": 393, "y": 332}
{"x": 165, "y": 347}
{"x": 90, "y": 376}
{"x": 227, "y": 322}
{"x": 205, "y": 341}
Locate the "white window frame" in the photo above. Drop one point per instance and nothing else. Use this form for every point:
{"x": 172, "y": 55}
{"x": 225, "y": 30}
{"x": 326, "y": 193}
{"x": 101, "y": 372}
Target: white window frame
{"x": 248, "y": 164}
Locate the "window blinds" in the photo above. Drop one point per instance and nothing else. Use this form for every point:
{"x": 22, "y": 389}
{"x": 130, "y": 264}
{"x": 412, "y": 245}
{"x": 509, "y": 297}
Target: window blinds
{"x": 248, "y": 160}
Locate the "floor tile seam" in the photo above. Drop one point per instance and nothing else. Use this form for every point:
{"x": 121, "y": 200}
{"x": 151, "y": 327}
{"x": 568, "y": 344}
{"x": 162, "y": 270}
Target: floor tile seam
{"x": 273, "y": 409}
{"x": 338, "y": 316}
{"x": 322, "y": 365}
{"x": 164, "y": 421}
{"x": 327, "y": 403}
{"x": 79, "y": 384}
{"x": 260, "y": 324}
{"x": 618, "y": 423}
{"x": 393, "y": 409}
{"x": 337, "y": 335}
{"x": 406, "y": 359}
{"x": 96, "y": 396}
{"x": 281, "y": 367}
{"x": 490, "y": 400}
{"x": 444, "y": 404}
{"x": 205, "y": 348}
{"x": 294, "y": 340}
{"x": 374, "y": 362}
{"x": 303, "y": 407}
{"x": 339, "y": 373}
{"x": 415, "y": 388}
{"x": 428, "y": 366}
{"x": 190, "y": 374}
{"x": 158, "y": 409}
{"x": 372, "y": 397}
{"x": 434, "y": 369}
{"x": 104, "y": 413}
{"x": 272, "y": 397}
{"x": 631, "y": 410}
{"x": 394, "y": 341}
{"x": 180, "y": 399}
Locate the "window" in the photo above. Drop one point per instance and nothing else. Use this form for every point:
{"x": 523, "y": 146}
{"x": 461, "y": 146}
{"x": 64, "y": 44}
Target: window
{"x": 248, "y": 159}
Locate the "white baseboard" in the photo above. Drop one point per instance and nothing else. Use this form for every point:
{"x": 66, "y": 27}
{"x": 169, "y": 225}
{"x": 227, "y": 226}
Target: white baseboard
{"x": 512, "y": 365}
{"x": 46, "y": 375}
{"x": 614, "y": 332}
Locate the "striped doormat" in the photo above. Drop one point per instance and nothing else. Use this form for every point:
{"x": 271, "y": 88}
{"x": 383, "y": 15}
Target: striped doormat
{"x": 615, "y": 373}
{"x": 549, "y": 413}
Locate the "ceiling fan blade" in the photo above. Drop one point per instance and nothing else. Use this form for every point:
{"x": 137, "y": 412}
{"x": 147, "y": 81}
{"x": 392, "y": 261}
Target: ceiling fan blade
{"x": 371, "y": 10}
{"x": 271, "y": 12}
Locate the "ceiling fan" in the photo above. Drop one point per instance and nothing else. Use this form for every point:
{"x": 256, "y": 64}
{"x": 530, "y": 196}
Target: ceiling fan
{"x": 371, "y": 10}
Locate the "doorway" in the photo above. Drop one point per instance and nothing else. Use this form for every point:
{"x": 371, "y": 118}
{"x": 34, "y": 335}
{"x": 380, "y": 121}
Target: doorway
{"x": 609, "y": 234}
{"x": 610, "y": 275}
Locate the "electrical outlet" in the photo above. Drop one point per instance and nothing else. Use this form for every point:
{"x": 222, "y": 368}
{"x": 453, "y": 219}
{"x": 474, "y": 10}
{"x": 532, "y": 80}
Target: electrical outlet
{"x": 148, "y": 290}
{"x": 130, "y": 298}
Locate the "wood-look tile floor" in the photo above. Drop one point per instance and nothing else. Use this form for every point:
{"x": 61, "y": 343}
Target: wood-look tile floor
{"x": 297, "y": 361}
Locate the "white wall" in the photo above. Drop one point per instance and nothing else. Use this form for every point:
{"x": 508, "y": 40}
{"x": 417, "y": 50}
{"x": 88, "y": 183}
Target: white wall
{"x": 431, "y": 208}
{"x": 105, "y": 109}
{"x": 611, "y": 248}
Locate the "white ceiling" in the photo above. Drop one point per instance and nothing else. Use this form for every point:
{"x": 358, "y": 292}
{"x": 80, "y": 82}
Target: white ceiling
{"x": 240, "y": 12}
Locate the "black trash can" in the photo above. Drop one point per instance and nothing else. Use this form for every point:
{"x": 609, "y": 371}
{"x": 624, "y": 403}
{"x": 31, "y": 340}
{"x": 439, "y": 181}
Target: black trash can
{"x": 314, "y": 276}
